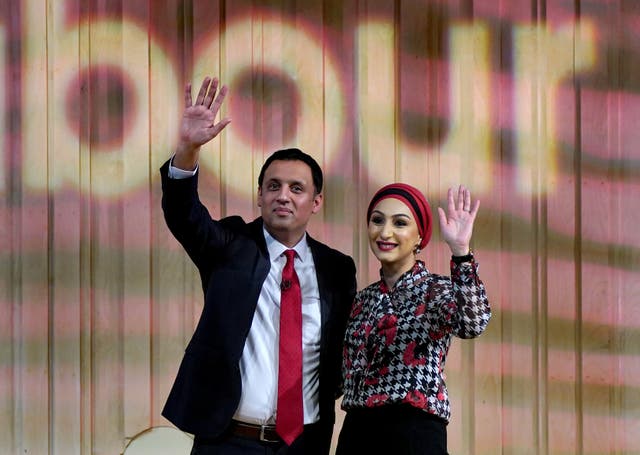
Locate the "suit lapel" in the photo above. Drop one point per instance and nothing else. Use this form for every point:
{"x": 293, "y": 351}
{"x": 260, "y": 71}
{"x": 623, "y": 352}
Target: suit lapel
{"x": 322, "y": 274}
{"x": 256, "y": 230}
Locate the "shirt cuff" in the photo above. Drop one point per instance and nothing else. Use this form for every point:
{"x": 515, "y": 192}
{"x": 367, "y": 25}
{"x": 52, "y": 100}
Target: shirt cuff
{"x": 178, "y": 174}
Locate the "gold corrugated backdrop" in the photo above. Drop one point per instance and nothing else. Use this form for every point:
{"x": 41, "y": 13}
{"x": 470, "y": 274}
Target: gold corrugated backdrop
{"x": 534, "y": 104}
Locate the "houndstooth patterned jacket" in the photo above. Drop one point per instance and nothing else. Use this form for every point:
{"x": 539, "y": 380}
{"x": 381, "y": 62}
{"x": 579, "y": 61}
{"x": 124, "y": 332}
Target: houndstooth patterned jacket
{"x": 397, "y": 340}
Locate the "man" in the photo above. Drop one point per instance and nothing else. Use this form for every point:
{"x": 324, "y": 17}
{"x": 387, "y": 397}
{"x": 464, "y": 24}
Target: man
{"x": 228, "y": 388}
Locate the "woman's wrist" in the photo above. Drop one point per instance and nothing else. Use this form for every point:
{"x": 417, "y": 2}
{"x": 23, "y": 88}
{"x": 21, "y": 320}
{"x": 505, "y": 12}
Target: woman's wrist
{"x": 460, "y": 250}
{"x": 460, "y": 258}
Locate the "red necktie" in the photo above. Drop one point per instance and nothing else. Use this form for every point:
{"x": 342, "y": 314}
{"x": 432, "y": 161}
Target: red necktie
{"x": 289, "y": 419}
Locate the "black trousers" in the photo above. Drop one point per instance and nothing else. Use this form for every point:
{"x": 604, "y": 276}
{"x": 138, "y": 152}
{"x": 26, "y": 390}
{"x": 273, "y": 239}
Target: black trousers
{"x": 314, "y": 440}
{"x": 392, "y": 429}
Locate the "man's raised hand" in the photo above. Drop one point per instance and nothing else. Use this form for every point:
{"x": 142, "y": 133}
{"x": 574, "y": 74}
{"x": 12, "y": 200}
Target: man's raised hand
{"x": 199, "y": 122}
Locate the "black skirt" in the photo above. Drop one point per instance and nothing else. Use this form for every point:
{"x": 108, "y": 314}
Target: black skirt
{"x": 398, "y": 429}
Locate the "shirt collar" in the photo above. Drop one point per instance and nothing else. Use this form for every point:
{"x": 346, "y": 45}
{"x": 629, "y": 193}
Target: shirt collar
{"x": 406, "y": 278}
{"x": 276, "y": 249}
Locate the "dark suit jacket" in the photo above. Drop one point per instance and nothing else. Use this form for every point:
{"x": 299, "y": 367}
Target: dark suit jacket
{"x": 233, "y": 262}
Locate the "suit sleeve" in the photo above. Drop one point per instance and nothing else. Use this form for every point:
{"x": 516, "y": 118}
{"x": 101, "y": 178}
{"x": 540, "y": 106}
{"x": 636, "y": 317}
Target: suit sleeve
{"x": 189, "y": 220}
{"x": 350, "y": 287}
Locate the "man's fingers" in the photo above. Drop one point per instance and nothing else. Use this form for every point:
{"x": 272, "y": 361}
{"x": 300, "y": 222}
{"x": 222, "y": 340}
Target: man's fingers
{"x": 187, "y": 95}
{"x": 220, "y": 126}
{"x": 203, "y": 91}
{"x": 215, "y": 107}
{"x": 211, "y": 93}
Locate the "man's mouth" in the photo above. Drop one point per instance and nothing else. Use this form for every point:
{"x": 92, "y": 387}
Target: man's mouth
{"x": 282, "y": 211}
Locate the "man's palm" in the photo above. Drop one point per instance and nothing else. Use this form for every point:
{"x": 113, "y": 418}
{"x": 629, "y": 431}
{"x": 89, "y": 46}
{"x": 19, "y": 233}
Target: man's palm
{"x": 197, "y": 125}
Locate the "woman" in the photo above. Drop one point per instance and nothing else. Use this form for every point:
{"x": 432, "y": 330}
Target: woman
{"x": 401, "y": 327}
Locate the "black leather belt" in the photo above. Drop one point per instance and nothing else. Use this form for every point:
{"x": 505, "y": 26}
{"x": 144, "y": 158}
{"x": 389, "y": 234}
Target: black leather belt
{"x": 262, "y": 433}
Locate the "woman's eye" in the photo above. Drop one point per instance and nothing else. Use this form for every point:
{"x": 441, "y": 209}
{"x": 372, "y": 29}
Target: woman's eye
{"x": 377, "y": 220}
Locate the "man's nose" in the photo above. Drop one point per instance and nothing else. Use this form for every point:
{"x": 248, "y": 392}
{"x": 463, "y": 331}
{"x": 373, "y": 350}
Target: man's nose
{"x": 284, "y": 194}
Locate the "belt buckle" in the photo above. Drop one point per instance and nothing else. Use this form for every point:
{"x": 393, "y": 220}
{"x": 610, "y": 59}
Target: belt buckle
{"x": 263, "y": 437}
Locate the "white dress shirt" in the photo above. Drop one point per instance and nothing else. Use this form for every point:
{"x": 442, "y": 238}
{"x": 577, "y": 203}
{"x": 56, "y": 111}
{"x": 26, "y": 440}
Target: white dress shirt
{"x": 259, "y": 362}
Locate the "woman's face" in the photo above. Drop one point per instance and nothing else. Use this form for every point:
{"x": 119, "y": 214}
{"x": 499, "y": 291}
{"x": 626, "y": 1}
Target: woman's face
{"x": 393, "y": 234}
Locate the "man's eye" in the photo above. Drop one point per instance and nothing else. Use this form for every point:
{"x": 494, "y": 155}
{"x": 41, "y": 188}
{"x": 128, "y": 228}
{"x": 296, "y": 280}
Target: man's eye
{"x": 296, "y": 189}
{"x": 273, "y": 186}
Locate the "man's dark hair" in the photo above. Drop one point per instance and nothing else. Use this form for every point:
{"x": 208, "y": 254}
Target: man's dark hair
{"x": 294, "y": 154}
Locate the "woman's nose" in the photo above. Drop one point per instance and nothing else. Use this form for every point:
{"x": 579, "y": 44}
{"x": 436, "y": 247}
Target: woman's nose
{"x": 386, "y": 231}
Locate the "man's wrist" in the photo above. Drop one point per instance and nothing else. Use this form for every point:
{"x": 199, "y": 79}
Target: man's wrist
{"x": 177, "y": 173}
{"x": 186, "y": 156}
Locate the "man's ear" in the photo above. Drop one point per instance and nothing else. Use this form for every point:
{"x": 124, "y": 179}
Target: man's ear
{"x": 317, "y": 203}
{"x": 259, "y": 198}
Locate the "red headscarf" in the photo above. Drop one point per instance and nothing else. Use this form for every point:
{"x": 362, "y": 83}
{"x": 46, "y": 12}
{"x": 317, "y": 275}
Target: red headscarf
{"x": 412, "y": 198}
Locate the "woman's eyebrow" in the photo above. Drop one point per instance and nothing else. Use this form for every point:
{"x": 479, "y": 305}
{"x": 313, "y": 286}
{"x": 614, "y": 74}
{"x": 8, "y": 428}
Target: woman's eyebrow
{"x": 394, "y": 215}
